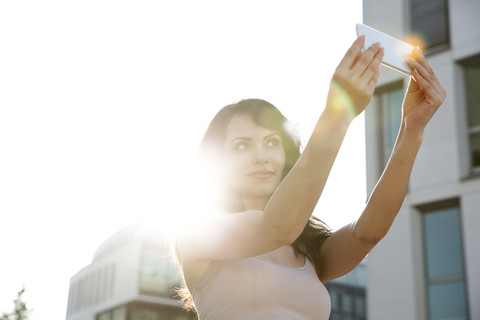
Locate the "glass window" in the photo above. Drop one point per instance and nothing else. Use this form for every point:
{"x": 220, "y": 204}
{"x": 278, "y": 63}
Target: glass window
{"x": 443, "y": 243}
{"x": 144, "y": 314}
{"x": 472, "y": 83}
{"x": 447, "y": 300}
{"x": 335, "y": 300}
{"x": 389, "y": 100}
{"x": 393, "y": 115}
{"x": 444, "y": 270}
{"x": 157, "y": 272}
{"x": 360, "y": 308}
{"x": 105, "y": 316}
{"x": 475, "y": 150}
{"x": 120, "y": 313}
{"x": 429, "y": 20}
{"x": 347, "y": 303}
{"x": 158, "y": 313}
{"x": 472, "y": 75}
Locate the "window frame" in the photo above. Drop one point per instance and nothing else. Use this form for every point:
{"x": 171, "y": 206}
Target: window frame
{"x": 381, "y": 99}
{"x": 471, "y": 169}
{"x": 430, "y": 208}
{"x": 468, "y": 63}
{"x": 442, "y": 46}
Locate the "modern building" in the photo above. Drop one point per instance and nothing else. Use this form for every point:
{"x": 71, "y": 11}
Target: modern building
{"x": 348, "y": 295}
{"x": 428, "y": 266}
{"x": 130, "y": 278}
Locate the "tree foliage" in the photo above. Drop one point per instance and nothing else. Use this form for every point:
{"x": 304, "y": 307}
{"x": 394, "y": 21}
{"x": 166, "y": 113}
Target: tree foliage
{"x": 20, "y": 310}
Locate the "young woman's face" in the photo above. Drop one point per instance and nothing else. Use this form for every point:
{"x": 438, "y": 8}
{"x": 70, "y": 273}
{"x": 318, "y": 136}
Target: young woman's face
{"x": 254, "y": 159}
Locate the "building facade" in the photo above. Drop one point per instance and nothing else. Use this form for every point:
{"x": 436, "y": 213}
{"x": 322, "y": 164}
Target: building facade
{"x": 130, "y": 278}
{"x": 428, "y": 266}
{"x": 348, "y": 295}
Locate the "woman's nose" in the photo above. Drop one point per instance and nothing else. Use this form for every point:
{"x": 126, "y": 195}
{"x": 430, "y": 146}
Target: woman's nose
{"x": 260, "y": 155}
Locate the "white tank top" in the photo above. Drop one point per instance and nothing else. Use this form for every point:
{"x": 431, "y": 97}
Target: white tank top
{"x": 254, "y": 288}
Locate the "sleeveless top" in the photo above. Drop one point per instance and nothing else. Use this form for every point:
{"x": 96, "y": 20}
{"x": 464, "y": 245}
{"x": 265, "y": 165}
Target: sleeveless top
{"x": 254, "y": 288}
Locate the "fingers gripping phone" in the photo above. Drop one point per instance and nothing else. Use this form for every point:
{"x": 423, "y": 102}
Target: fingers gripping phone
{"x": 396, "y": 51}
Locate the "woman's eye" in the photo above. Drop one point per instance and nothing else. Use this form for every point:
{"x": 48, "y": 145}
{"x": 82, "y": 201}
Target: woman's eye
{"x": 241, "y": 146}
{"x": 274, "y": 142}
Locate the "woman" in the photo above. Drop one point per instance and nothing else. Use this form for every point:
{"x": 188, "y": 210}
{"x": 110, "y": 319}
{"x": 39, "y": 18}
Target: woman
{"x": 268, "y": 257}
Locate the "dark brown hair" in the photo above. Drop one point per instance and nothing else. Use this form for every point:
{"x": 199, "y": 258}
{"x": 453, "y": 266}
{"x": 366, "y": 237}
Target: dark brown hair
{"x": 268, "y": 116}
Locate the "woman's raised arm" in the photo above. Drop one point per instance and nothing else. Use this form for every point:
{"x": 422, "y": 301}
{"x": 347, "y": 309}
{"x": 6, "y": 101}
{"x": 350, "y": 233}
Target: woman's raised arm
{"x": 349, "y": 245}
{"x": 351, "y": 90}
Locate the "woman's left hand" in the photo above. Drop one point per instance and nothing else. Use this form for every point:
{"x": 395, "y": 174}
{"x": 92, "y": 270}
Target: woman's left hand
{"x": 424, "y": 95}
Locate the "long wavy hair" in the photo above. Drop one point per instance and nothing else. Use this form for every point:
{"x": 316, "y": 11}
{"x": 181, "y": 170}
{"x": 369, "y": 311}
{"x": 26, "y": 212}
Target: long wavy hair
{"x": 267, "y": 116}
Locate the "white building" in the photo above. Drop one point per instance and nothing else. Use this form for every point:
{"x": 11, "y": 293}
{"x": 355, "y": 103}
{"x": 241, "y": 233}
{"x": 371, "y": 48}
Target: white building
{"x": 428, "y": 266}
{"x": 130, "y": 278}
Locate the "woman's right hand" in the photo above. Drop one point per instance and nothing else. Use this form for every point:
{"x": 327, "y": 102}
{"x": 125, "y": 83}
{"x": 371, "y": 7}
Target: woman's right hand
{"x": 354, "y": 80}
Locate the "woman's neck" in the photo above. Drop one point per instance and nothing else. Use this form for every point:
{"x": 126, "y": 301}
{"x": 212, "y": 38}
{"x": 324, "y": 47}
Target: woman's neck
{"x": 236, "y": 204}
{"x": 255, "y": 203}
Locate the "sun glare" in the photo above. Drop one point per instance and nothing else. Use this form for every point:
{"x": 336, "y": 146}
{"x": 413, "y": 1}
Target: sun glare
{"x": 416, "y": 40}
{"x": 105, "y": 102}
{"x": 187, "y": 204}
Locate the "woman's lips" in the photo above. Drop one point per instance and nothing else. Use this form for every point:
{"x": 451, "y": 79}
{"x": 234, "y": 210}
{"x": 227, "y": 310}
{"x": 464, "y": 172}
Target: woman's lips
{"x": 261, "y": 174}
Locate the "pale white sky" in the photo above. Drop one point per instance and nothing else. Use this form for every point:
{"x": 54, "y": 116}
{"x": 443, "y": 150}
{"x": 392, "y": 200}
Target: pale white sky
{"x": 103, "y": 103}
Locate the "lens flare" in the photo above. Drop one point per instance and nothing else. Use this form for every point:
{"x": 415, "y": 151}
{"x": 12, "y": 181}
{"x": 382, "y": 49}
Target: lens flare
{"x": 185, "y": 200}
{"x": 340, "y": 99}
{"x": 416, "y": 40}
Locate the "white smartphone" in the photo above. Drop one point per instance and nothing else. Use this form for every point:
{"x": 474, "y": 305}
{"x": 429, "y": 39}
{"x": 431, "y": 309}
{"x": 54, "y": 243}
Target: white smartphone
{"x": 396, "y": 51}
